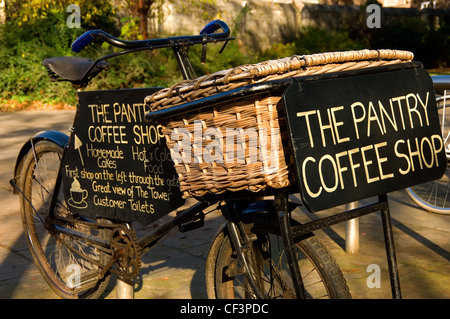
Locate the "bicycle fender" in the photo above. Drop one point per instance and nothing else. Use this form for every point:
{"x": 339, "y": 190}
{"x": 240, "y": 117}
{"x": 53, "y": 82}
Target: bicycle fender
{"x": 59, "y": 138}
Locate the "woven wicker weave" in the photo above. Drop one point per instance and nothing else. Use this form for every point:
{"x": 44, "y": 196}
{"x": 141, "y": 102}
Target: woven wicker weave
{"x": 235, "y": 119}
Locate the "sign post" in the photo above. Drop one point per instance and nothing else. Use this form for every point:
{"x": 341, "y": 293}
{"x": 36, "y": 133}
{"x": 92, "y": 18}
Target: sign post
{"x": 352, "y": 232}
{"x": 125, "y": 290}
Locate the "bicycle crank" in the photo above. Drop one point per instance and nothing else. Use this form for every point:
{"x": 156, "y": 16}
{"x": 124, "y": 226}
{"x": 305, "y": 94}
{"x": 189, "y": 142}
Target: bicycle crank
{"x": 121, "y": 245}
{"x": 125, "y": 248}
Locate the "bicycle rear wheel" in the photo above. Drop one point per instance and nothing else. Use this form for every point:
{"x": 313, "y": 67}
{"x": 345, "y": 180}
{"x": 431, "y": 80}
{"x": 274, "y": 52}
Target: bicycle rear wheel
{"x": 69, "y": 265}
{"x": 322, "y": 277}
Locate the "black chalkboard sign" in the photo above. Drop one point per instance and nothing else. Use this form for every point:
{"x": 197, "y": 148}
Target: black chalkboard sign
{"x": 364, "y": 135}
{"x": 118, "y": 165}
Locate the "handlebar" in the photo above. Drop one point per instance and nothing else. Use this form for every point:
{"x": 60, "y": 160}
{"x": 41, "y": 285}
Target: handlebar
{"x": 206, "y": 35}
{"x": 215, "y": 25}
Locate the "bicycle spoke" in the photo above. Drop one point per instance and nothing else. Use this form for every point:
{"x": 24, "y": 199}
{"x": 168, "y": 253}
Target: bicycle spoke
{"x": 271, "y": 272}
{"x": 59, "y": 256}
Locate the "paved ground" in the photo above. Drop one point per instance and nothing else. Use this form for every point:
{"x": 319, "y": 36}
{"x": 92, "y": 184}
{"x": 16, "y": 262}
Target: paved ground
{"x": 175, "y": 267}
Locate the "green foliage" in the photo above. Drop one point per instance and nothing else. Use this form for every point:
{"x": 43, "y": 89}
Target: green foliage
{"x": 315, "y": 40}
{"x": 139, "y": 69}
{"x": 36, "y": 30}
{"x": 95, "y": 13}
{"x": 430, "y": 45}
{"x": 232, "y": 56}
{"x": 130, "y": 28}
{"x": 26, "y": 42}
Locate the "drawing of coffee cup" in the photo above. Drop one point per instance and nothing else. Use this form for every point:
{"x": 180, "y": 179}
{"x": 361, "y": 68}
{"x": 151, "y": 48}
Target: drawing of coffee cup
{"x": 78, "y": 195}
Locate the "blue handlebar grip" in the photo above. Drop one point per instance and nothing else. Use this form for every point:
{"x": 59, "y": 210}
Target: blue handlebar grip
{"x": 211, "y": 27}
{"x": 82, "y": 41}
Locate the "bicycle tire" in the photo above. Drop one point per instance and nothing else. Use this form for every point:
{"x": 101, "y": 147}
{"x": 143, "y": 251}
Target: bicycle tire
{"x": 321, "y": 274}
{"x": 50, "y": 250}
{"x": 432, "y": 196}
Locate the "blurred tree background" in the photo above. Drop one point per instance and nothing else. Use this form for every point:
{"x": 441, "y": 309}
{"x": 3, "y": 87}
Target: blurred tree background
{"x": 33, "y": 30}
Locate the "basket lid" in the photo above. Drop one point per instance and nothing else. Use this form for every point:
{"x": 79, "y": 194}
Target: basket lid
{"x": 297, "y": 65}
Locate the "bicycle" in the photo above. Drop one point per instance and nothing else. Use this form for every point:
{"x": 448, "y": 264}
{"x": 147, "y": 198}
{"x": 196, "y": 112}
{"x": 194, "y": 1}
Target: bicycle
{"x": 433, "y": 196}
{"x": 260, "y": 251}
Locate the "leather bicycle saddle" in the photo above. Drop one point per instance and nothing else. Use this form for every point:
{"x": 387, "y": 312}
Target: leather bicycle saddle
{"x": 73, "y": 69}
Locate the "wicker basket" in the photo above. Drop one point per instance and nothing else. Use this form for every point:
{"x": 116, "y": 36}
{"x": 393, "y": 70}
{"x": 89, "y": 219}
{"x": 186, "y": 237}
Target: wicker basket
{"x": 243, "y": 144}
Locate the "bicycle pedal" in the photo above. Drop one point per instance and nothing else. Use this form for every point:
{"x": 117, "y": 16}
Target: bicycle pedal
{"x": 83, "y": 281}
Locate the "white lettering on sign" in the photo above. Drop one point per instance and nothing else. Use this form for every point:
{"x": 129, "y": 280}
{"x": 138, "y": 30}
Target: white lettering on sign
{"x": 127, "y": 161}
{"x": 325, "y": 127}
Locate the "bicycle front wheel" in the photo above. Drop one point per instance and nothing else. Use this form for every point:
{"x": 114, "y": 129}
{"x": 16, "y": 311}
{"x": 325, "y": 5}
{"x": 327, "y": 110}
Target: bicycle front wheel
{"x": 322, "y": 277}
{"x": 69, "y": 265}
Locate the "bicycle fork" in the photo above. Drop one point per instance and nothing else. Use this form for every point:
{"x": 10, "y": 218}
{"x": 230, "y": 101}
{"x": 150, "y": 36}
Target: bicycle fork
{"x": 282, "y": 207}
{"x": 242, "y": 245}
